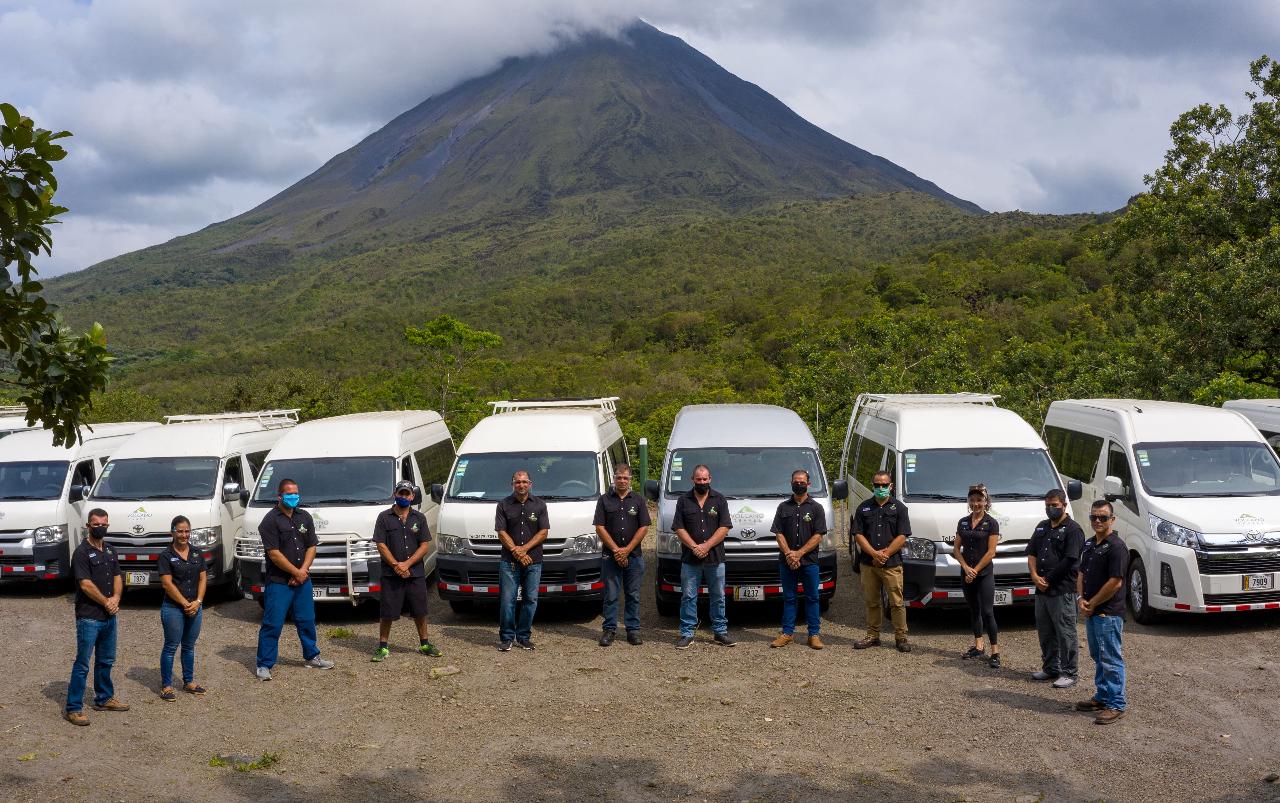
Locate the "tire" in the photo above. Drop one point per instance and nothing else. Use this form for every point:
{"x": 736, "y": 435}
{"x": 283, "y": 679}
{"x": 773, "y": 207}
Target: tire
{"x": 824, "y": 603}
{"x": 668, "y": 606}
{"x": 231, "y": 584}
{"x": 1137, "y": 584}
{"x": 262, "y": 602}
{"x": 461, "y": 606}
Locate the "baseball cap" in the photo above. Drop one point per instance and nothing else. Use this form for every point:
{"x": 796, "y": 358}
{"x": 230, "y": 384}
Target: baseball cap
{"x": 405, "y": 485}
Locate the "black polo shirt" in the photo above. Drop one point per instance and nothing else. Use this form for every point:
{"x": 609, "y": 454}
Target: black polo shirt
{"x": 402, "y": 538}
{"x": 880, "y": 524}
{"x": 522, "y": 521}
{"x": 621, "y": 517}
{"x": 797, "y": 523}
{"x": 1057, "y": 550}
{"x": 100, "y": 566}
{"x": 185, "y": 573}
{"x": 973, "y": 540}
{"x": 1098, "y": 564}
{"x": 701, "y": 522}
{"x": 292, "y": 535}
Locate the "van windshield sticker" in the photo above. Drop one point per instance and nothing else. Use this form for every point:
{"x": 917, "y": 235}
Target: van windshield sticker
{"x": 266, "y": 476}
{"x": 462, "y": 468}
{"x": 909, "y": 462}
{"x": 1143, "y": 459}
{"x": 106, "y": 472}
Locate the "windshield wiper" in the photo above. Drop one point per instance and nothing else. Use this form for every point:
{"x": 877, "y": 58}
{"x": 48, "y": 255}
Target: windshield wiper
{"x": 555, "y": 498}
{"x": 344, "y": 501}
{"x": 120, "y": 498}
{"x": 24, "y": 498}
{"x": 170, "y": 496}
{"x": 944, "y": 497}
{"x": 1014, "y": 496}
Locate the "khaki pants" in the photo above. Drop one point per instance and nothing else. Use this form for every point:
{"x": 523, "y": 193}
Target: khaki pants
{"x": 890, "y": 579}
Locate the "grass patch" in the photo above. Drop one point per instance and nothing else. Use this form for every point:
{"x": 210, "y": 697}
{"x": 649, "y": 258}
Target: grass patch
{"x": 340, "y": 633}
{"x": 263, "y": 762}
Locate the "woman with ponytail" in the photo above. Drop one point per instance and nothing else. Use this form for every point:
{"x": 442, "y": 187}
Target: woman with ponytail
{"x": 976, "y": 537}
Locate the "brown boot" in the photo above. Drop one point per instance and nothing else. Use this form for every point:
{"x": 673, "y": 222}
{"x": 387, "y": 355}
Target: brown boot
{"x": 76, "y": 718}
{"x": 816, "y": 643}
{"x": 869, "y": 641}
{"x": 1089, "y": 705}
{"x": 1107, "y": 715}
{"x": 782, "y": 640}
{"x": 111, "y": 705}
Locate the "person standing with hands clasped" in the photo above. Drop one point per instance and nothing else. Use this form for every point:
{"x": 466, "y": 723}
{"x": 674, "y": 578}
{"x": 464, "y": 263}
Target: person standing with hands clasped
{"x": 1053, "y": 558}
{"x": 183, "y": 577}
{"x": 799, "y": 525}
{"x": 976, "y": 537}
{"x": 621, "y": 521}
{"x": 701, "y": 522}
{"x": 522, "y": 524}
{"x": 403, "y": 538}
{"x": 880, "y": 528}
{"x": 1103, "y": 564}
{"x": 98, "y": 591}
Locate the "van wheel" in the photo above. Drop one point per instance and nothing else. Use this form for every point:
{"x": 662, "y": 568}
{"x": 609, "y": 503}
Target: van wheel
{"x": 461, "y": 606}
{"x": 668, "y": 606}
{"x": 231, "y": 584}
{"x": 1142, "y": 611}
{"x": 262, "y": 603}
{"x": 824, "y": 604}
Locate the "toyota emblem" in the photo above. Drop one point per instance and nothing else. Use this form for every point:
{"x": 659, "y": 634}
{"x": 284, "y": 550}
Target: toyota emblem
{"x": 746, "y": 533}
{"x": 138, "y": 529}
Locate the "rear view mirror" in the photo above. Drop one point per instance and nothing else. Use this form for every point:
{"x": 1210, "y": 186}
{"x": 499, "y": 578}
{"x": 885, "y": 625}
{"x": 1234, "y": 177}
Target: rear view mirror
{"x": 651, "y": 489}
{"x": 417, "y": 495}
{"x": 78, "y": 493}
{"x": 1113, "y": 489}
{"x": 244, "y": 497}
{"x": 1074, "y": 490}
{"x": 840, "y": 490}
{"x": 437, "y": 492}
{"x": 230, "y": 491}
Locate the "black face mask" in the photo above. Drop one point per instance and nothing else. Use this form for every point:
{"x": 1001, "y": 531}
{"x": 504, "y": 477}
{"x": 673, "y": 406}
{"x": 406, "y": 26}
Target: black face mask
{"x": 99, "y": 532}
{"x": 701, "y": 487}
{"x": 798, "y": 488}
{"x": 1054, "y": 513}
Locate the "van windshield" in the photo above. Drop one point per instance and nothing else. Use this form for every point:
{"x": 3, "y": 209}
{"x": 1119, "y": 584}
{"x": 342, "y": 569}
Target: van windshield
{"x": 158, "y": 478}
{"x": 946, "y": 474}
{"x": 740, "y": 473}
{"x": 1208, "y": 469}
{"x": 556, "y": 475}
{"x": 330, "y": 481}
{"x": 21, "y": 481}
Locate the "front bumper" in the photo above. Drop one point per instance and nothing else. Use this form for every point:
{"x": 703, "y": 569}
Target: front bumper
{"x": 465, "y": 577}
{"x": 138, "y": 564}
{"x": 746, "y": 578}
{"x": 25, "y": 560}
{"x": 328, "y": 583}
{"x": 1213, "y": 580}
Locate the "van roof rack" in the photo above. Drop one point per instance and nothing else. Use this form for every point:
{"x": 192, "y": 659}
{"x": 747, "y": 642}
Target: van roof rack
{"x": 13, "y": 409}
{"x": 932, "y": 398}
{"x": 607, "y": 404}
{"x": 270, "y": 419}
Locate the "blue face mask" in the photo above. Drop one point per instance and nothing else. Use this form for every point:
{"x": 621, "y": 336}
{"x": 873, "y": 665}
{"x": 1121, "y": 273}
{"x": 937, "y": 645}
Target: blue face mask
{"x": 291, "y": 500}
{"x": 404, "y": 501}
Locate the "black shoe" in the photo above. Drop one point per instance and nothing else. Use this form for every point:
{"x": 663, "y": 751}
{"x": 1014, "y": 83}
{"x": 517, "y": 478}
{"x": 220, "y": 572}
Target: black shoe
{"x": 633, "y": 638}
{"x": 995, "y": 660}
{"x": 524, "y": 644}
{"x": 724, "y": 641}
{"x": 972, "y": 652}
{"x": 504, "y": 646}
{"x": 683, "y": 642}
{"x": 866, "y": 643}
{"x": 606, "y": 638}
{"x": 904, "y": 645}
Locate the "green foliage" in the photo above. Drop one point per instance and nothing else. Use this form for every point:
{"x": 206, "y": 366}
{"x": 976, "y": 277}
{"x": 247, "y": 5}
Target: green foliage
{"x": 447, "y": 341}
{"x": 265, "y": 761}
{"x": 54, "y": 372}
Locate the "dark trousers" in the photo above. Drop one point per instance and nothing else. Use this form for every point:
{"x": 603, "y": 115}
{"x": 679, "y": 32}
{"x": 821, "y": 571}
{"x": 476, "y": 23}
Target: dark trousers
{"x": 1056, "y": 626}
{"x": 981, "y": 598}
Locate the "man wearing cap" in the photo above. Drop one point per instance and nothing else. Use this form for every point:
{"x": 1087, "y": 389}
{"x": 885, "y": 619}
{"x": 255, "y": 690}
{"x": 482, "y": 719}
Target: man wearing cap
{"x": 403, "y": 538}
{"x": 621, "y": 521}
{"x": 522, "y": 524}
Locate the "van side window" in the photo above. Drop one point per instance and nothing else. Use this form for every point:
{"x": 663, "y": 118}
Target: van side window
{"x": 870, "y": 456}
{"x": 84, "y": 473}
{"x": 434, "y": 462}
{"x": 256, "y": 461}
{"x": 406, "y": 468}
{"x": 1118, "y": 466}
{"x": 618, "y": 455}
{"x": 1075, "y": 453}
{"x": 234, "y": 472}
{"x": 891, "y": 463}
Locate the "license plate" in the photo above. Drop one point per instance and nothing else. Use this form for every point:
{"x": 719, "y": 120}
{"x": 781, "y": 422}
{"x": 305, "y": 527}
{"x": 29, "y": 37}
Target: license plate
{"x": 1004, "y": 597}
{"x": 137, "y": 578}
{"x": 319, "y": 593}
{"x": 1259, "y": 582}
{"x": 748, "y": 593}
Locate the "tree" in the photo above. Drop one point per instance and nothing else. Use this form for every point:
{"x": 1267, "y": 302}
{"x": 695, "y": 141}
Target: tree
{"x": 448, "y": 341}
{"x": 55, "y": 373}
{"x": 1200, "y": 250}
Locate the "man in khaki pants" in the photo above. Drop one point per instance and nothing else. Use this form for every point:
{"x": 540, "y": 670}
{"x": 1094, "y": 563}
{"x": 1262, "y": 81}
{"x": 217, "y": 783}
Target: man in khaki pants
{"x": 881, "y": 526}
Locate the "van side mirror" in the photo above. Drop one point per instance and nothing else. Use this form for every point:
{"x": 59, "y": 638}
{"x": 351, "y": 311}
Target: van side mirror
{"x": 651, "y": 489}
{"x": 78, "y": 493}
{"x": 417, "y": 495}
{"x": 840, "y": 490}
{"x": 230, "y": 491}
{"x": 244, "y": 497}
{"x": 437, "y": 492}
{"x": 1075, "y": 490}
{"x": 1114, "y": 490}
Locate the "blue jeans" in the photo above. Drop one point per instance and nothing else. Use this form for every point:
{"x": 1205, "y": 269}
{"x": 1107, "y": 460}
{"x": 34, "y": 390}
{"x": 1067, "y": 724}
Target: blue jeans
{"x": 99, "y": 640}
{"x": 692, "y": 575}
{"x": 615, "y": 579}
{"x": 808, "y": 575}
{"x": 1104, "y": 634}
{"x": 510, "y": 575}
{"x": 178, "y": 629}
{"x": 279, "y": 600}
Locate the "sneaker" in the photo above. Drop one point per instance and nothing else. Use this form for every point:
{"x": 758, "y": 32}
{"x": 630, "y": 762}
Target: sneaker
{"x": 263, "y": 673}
{"x": 318, "y": 663}
{"x": 869, "y": 641}
{"x": 1064, "y": 682}
{"x": 1089, "y": 705}
{"x": 903, "y": 645}
{"x": 1042, "y": 675}
{"x": 111, "y": 705}
{"x": 815, "y": 642}
{"x": 505, "y": 646}
{"x": 782, "y": 640}
{"x": 76, "y": 718}
{"x": 633, "y": 638}
{"x": 380, "y": 655}
{"x": 430, "y": 650}
{"x": 606, "y": 638}
{"x": 683, "y": 642}
{"x": 1107, "y": 715}
{"x": 524, "y": 644}
{"x": 995, "y": 660}
{"x": 972, "y": 652}
{"x": 724, "y": 640}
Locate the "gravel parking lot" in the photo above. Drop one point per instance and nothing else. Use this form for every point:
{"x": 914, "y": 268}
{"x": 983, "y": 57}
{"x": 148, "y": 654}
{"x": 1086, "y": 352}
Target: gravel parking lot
{"x": 573, "y": 720}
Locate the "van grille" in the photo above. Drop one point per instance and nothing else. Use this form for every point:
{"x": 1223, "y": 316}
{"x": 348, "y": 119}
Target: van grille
{"x": 1237, "y": 562}
{"x": 955, "y": 583}
{"x": 551, "y": 576}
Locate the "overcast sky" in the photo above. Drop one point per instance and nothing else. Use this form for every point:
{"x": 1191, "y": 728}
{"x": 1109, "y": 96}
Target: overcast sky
{"x": 187, "y": 112}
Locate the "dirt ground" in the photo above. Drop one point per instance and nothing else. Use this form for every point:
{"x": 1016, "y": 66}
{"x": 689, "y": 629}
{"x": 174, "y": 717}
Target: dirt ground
{"x": 573, "y": 720}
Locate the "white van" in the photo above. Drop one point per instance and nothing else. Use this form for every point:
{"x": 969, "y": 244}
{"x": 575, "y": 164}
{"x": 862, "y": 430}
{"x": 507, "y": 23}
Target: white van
{"x": 1265, "y": 415}
{"x": 347, "y": 468}
{"x": 194, "y": 466}
{"x": 13, "y": 418}
{"x": 935, "y": 446}
{"x": 1196, "y": 492}
{"x": 751, "y": 450}
{"x": 42, "y": 490}
{"x": 569, "y": 447}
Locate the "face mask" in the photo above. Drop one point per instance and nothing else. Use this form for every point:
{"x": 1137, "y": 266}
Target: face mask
{"x": 98, "y": 532}
{"x": 1053, "y": 513}
{"x": 291, "y": 500}
{"x": 798, "y": 488}
{"x": 881, "y": 493}
{"x": 702, "y": 487}
{"x": 404, "y": 501}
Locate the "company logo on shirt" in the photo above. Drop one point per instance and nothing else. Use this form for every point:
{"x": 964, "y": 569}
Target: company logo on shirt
{"x": 533, "y": 517}
{"x": 631, "y": 511}
{"x": 808, "y": 517}
{"x": 414, "y": 528}
{"x": 302, "y": 528}
{"x": 712, "y": 512}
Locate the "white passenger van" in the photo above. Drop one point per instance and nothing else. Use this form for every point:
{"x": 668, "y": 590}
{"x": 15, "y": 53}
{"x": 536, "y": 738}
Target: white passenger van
{"x": 13, "y": 418}
{"x": 569, "y": 447}
{"x": 1196, "y": 492}
{"x": 195, "y": 466}
{"x": 935, "y": 446}
{"x": 751, "y": 450}
{"x": 1265, "y": 415}
{"x": 42, "y": 490}
{"x": 347, "y": 468}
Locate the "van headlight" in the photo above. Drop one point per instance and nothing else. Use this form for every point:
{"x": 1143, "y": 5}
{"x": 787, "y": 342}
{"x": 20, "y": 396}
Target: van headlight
{"x": 450, "y": 544}
{"x": 1171, "y": 533}
{"x": 582, "y": 544}
{"x": 250, "y": 548}
{"x": 50, "y": 534}
{"x": 206, "y": 536}
{"x": 668, "y": 543}
{"x": 919, "y": 549}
